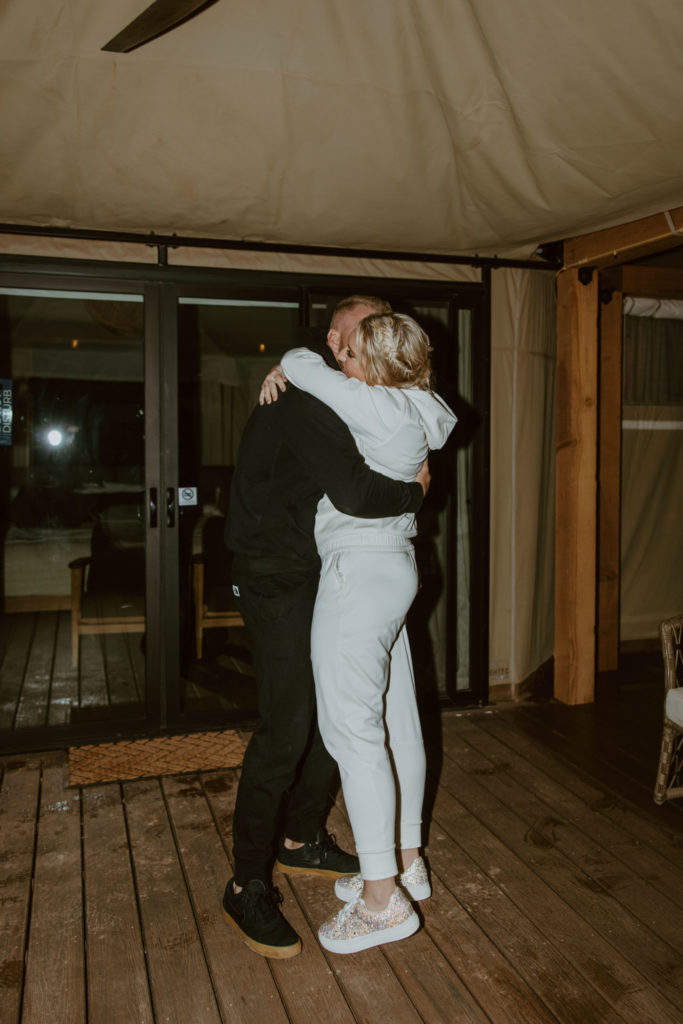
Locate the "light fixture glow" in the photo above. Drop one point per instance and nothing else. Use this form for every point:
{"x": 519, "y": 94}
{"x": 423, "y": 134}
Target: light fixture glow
{"x": 55, "y": 438}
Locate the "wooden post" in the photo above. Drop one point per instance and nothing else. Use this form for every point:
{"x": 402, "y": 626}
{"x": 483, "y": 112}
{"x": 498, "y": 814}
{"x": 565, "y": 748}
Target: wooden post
{"x": 576, "y": 501}
{"x": 609, "y": 483}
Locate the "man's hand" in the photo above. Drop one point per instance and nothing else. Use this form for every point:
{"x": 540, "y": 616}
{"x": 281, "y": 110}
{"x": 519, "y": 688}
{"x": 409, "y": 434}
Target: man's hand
{"x": 423, "y": 477}
{"x": 274, "y": 379}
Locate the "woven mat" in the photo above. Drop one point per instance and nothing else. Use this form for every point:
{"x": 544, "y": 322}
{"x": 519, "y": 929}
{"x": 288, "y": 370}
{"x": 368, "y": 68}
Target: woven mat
{"x": 161, "y": 755}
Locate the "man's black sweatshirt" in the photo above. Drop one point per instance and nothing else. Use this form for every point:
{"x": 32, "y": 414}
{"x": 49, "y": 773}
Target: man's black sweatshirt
{"x": 292, "y": 452}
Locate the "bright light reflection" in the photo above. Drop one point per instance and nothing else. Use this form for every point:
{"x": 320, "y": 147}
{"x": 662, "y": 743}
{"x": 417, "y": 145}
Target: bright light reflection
{"x": 55, "y": 438}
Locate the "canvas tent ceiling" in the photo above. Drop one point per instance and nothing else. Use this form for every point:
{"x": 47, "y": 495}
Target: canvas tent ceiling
{"x": 444, "y": 126}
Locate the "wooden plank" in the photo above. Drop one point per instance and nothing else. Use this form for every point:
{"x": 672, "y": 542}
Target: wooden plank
{"x": 138, "y": 664}
{"x": 631, "y": 741}
{"x": 118, "y": 988}
{"x": 616, "y": 953}
{"x": 652, "y": 282}
{"x": 92, "y": 677}
{"x": 490, "y": 976}
{"x": 503, "y": 898}
{"x": 600, "y": 761}
{"x": 119, "y": 672}
{"x": 32, "y": 710}
{"x": 576, "y": 504}
{"x": 13, "y": 668}
{"x": 243, "y": 982}
{"x": 629, "y": 241}
{"x": 18, "y": 817}
{"x": 588, "y": 806}
{"x": 542, "y": 747}
{"x": 179, "y": 978}
{"x": 550, "y": 813}
{"x": 54, "y": 988}
{"x": 64, "y": 688}
{"x": 609, "y": 484}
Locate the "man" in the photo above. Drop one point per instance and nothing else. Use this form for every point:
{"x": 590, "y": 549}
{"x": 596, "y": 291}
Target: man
{"x": 292, "y": 451}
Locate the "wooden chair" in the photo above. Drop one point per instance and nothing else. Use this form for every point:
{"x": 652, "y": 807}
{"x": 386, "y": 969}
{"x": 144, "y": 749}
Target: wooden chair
{"x": 214, "y": 602}
{"x": 107, "y": 587}
{"x": 669, "y": 782}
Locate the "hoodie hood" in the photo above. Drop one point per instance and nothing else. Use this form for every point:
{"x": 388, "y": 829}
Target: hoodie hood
{"x": 436, "y": 418}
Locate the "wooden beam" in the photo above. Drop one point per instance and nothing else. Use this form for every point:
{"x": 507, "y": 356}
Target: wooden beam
{"x": 624, "y": 242}
{"x": 652, "y": 282}
{"x": 576, "y": 498}
{"x": 609, "y": 484}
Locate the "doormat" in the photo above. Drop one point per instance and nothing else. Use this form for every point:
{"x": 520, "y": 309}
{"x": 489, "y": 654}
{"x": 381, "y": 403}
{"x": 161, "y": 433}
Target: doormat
{"x": 160, "y": 755}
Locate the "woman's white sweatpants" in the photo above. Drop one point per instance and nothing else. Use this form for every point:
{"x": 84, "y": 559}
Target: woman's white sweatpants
{"x": 365, "y": 691}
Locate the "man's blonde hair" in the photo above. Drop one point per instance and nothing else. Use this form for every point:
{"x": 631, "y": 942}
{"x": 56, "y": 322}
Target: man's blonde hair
{"x": 394, "y": 350}
{"x": 353, "y": 301}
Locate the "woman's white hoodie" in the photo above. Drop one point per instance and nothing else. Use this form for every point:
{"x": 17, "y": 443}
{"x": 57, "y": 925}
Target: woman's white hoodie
{"x": 394, "y": 429}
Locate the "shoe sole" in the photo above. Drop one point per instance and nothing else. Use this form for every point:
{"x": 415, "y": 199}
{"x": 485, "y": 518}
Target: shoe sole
{"x": 288, "y": 869}
{"x": 275, "y": 952}
{"x": 357, "y": 945}
{"x": 416, "y": 892}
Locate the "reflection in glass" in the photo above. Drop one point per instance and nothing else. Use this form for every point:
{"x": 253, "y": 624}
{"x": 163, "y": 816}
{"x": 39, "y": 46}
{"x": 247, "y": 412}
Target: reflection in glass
{"x": 226, "y": 347}
{"x": 71, "y": 486}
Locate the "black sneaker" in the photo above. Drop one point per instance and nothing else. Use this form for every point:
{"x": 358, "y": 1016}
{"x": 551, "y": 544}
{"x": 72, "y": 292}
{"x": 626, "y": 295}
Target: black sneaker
{"x": 321, "y": 857}
{"x": 255, "y": 914}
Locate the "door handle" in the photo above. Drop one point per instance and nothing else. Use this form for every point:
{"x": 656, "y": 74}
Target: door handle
{"x": 170, "y": 506}
{"x": 153, "y": 508}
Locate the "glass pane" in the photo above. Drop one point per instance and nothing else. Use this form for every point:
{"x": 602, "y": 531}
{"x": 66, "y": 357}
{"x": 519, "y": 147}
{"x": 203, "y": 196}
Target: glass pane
{"x": 72, "y": 486}
{"x": 226, "y": 347}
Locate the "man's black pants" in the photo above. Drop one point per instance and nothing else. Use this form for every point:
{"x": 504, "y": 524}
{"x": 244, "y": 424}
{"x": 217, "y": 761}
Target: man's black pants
{"x": 285, "y": 756}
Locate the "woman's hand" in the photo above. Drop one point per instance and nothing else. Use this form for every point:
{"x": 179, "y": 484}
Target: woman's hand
{"x": 274, "y": 379}
{"x": 423, "y": 477}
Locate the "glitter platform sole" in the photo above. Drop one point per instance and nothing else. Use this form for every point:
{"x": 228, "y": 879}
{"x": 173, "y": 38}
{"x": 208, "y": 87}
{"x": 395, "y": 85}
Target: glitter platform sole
{"x": 356, "y": 928}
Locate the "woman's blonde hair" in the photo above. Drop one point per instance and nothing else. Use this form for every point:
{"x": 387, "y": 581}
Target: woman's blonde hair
{"x": 394, "y": 351}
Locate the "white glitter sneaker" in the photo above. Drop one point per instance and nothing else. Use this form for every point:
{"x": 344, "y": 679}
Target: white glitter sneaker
{"x": 414, "y": 880}
{"x": 355, "y": 927}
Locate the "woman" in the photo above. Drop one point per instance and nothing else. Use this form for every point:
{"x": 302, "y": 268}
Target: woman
{"x": 365, "y": 688}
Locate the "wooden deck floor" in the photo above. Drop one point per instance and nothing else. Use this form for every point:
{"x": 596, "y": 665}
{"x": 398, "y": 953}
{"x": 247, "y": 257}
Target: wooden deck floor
{"x": 40, "y": 687}
{"x": 558, "y": 890}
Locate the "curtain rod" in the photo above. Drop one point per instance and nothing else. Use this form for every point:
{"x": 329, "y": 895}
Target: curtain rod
{"x": 164, "y": 242}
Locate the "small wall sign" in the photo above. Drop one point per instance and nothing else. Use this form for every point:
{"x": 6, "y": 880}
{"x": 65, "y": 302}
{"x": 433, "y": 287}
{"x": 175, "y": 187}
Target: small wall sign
{"x": 5, "y": 412}
{"x": 187, "y": 496}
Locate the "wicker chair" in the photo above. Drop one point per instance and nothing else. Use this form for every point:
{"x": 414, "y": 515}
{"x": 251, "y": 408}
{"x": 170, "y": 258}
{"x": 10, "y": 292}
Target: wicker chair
{"x": 670, "y": 772}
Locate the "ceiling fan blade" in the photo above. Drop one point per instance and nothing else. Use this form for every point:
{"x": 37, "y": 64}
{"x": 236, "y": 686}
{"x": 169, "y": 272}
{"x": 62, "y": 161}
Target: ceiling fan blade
{"x": 161, "y": 16}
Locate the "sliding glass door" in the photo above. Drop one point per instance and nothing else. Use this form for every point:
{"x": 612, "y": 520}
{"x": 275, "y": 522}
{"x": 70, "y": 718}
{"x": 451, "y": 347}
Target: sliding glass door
{"x": 72, "y": 453}
{"x": 123, "y": 400}
{"x": 226, "y": 345}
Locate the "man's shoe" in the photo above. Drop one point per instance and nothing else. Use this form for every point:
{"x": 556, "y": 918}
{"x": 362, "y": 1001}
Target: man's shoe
{"x": 255, "y": 914}
{"x": 355, "y": 927}
{"x": 414, "y": 880}
{"x": 321, "y": 857}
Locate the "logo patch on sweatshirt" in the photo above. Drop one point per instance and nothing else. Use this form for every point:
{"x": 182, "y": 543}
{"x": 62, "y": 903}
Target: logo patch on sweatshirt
{"x": 235, "y": 590}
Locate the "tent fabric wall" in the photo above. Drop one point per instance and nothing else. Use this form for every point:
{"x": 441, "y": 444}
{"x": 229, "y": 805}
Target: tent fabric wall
{"x": 467, "y": 126}
{"x": 523, "y": 363}
{"x": 652, "y": 467}
{"x": 651, "y": 503}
